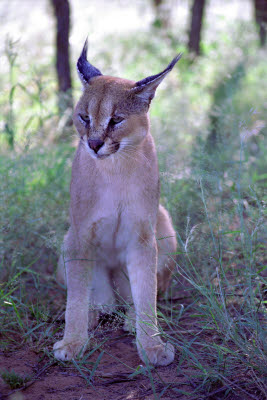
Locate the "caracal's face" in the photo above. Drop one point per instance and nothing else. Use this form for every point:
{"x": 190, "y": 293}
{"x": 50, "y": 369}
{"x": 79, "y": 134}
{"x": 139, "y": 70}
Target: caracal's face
{"x": 109, "y": 118}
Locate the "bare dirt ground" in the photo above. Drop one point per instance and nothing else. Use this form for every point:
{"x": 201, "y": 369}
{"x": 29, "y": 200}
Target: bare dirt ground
{"x": 113, "y": 371}
{"x": 48, "y": 379}
{"x": 111, "y": 379}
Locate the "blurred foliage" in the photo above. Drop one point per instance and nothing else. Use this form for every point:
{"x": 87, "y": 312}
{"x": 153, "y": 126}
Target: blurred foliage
{"x": 33, "y": 204}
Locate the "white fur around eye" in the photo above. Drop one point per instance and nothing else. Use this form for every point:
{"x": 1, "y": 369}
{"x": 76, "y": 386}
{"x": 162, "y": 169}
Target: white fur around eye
{"x": 83, "y": 122}
{"x": 121, "y": 122}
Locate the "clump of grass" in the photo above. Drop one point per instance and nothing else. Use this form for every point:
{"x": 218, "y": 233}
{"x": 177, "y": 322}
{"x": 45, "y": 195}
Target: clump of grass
{"x": 15, "y": 380}
{"x": 10, "y": 126}
{"x": 28, "y": 101}
{"x": 218, "y": 205}
{"x": 34, "y": 188}
{"x": 221, "y": 257}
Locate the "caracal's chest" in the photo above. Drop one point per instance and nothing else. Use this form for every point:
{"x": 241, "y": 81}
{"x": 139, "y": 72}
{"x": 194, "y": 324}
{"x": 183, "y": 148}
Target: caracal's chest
{"x": 112, "y": 223}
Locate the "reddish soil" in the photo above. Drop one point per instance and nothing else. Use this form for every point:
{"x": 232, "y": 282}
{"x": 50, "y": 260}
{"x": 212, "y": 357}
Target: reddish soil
{"x": 31, "y": 356}
{"x": 111, "y": 380}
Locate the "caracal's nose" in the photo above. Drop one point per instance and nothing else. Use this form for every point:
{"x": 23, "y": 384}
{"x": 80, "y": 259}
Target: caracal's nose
{"x": 95, "y": 144}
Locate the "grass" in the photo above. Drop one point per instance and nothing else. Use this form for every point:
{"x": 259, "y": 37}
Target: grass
{"x": 213, "y": 185}
{"x": 14, "y": 380}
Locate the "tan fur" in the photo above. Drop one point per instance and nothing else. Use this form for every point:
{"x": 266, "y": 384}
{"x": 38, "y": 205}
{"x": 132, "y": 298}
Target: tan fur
{"x": 111, "y": 250}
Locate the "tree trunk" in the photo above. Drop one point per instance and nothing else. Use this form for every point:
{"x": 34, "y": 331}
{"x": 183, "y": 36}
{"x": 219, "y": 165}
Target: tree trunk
{"x": 197, "y": 13}
{"x": 261, "y": 19}
{"x": 62, "y": 14}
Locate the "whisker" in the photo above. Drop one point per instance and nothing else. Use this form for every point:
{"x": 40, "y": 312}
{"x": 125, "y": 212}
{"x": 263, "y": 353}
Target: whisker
{"x": 136, "y": 151}
{"x": 125, "y": 156}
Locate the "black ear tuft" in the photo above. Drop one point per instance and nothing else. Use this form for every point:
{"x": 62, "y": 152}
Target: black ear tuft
{"x": 146, "y": 88}
{"x": 86, "y": 70}
{"x": 162, "y": 74}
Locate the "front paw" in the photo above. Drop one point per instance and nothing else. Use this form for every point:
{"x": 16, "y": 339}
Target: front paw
{"x": 66, "y": 350}
{"x": 157, "y": 354}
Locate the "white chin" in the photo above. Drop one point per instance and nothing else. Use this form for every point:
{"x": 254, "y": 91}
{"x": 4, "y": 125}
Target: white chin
{"x": 101, "y": 156}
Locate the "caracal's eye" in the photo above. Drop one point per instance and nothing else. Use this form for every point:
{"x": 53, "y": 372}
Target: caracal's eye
{"x": 116, "y": 120}
{"x": 84, "y": 119}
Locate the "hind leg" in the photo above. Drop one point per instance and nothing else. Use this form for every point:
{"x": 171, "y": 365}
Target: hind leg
{"x": 101, "y": 294}
{"x": 123, "y": 293}
{"x": 167, "y": 244}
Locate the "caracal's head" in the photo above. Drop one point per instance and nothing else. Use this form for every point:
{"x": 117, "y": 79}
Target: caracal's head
{"x": 111, "y": 115}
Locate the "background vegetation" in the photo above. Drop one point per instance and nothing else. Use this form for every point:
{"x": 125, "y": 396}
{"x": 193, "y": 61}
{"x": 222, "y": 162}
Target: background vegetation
{"x": 209, "y": 124}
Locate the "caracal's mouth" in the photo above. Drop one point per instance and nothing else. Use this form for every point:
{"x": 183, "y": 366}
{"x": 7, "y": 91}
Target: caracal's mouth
{"x": 101, "y": 156}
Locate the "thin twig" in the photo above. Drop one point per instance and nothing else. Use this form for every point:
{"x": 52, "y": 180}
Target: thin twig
{"x": 207, "y": 395}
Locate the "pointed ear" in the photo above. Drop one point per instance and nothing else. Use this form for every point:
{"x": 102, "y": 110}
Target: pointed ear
{"x": 86, "y": 71}
{"x": 146, "y": 88}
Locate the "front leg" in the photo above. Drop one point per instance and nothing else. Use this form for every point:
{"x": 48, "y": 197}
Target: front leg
{"x": 142, "y": 270}
{"x": 78, "y": 273}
